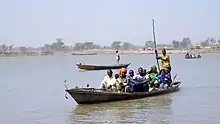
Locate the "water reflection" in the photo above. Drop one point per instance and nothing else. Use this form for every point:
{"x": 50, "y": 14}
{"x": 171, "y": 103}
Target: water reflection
{"x": 150, "y": 110}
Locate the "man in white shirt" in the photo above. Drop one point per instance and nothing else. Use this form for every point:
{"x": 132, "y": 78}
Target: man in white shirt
{"x": 109, "y": 81}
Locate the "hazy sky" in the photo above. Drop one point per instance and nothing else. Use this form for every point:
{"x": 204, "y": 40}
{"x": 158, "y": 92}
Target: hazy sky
{"x": 35, "y": 22}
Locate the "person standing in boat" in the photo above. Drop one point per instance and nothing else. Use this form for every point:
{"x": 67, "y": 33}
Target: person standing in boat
{"x": 165, "y": 61}
{"x": 109, "y": 81}
{"x": 117, "y": 57}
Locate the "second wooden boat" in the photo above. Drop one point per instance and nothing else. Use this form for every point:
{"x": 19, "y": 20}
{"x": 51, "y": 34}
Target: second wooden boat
{"x": 101, "y": 67}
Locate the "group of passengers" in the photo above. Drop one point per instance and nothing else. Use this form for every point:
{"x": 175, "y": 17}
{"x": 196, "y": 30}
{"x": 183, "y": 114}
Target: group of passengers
{"x": 143, "y": 81}
{"x": 188, "y": 55}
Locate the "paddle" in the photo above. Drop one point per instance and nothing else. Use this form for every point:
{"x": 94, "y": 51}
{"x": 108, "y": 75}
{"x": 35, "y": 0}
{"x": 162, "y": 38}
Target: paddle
{"x": 155, "y": 46}
{"x": 66, "y": 88}
{"x": 174, "y": 77}
{"x": 65, "y": 84}
{"x": 173, "y": 82}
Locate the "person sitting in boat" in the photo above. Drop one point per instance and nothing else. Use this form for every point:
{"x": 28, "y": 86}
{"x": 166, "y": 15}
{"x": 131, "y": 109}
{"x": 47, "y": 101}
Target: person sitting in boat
{"x": 187, "y": 55}
{"x": 131, "y": 74}
{"x": 109, "y": 81}
{"x": 145, "y": 72}
{"x": 153, "y": 74}
{"x": 168, "y": 75}
{"x": 87, "y": 86}
{"x": 123, "y": 81}
{"x": 139, "y": 71}
{"x": 163, "y": 79}
{"x": 141, "y": 81}
{"x": 118, "y": 85}
{"x": 131, "y": 82}
{"x": 194, "y": 55}
{"x": 199, "y": 55}
{"x": 116, "y": 76}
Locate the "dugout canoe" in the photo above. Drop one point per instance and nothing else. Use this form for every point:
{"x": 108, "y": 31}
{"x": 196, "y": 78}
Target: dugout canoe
{"x": 84, "y": 53}
{"x": 101, "y": 67}
{"x": 196, "y": 57}
{"x": 93, "y": 96}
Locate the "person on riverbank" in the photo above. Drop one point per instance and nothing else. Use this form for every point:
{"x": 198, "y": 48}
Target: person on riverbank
{"x": 117, "y": 57}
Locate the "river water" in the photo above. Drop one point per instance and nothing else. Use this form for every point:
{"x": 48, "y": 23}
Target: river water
{"x": 32, "y": 92}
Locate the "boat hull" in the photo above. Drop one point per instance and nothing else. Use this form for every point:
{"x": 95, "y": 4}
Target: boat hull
{"x": 193, "y": 57}
{"x": 85, "y": 96}
{"x": 84, "y": 53}
{"x": 95, "y": 67}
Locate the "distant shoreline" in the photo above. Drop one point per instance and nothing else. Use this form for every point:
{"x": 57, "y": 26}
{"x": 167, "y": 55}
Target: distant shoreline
{"x": 18, "y": 54}
{"x": 159, "y": 51}
{"x": 104, "y": 52}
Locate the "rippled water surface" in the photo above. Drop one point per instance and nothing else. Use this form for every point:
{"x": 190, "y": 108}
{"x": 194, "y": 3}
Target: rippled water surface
{"x": 32, "y": 92}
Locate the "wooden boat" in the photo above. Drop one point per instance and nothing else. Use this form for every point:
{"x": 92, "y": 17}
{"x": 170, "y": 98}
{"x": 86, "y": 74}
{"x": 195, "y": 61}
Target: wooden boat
{"x": 195, "y": 57}
{"x": 100, "y": 67}
{"x": 84, "y": 53}
{"x": 92, "y": 96}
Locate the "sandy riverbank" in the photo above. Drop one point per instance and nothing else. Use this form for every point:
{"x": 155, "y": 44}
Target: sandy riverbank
{"x": 106, "y": 52}
{"x": 159, "y": 51}
{"x": 17, "y": 54}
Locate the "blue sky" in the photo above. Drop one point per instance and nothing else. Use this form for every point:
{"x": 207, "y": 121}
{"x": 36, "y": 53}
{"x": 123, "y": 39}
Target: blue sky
{"x": 35, "y": 22}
